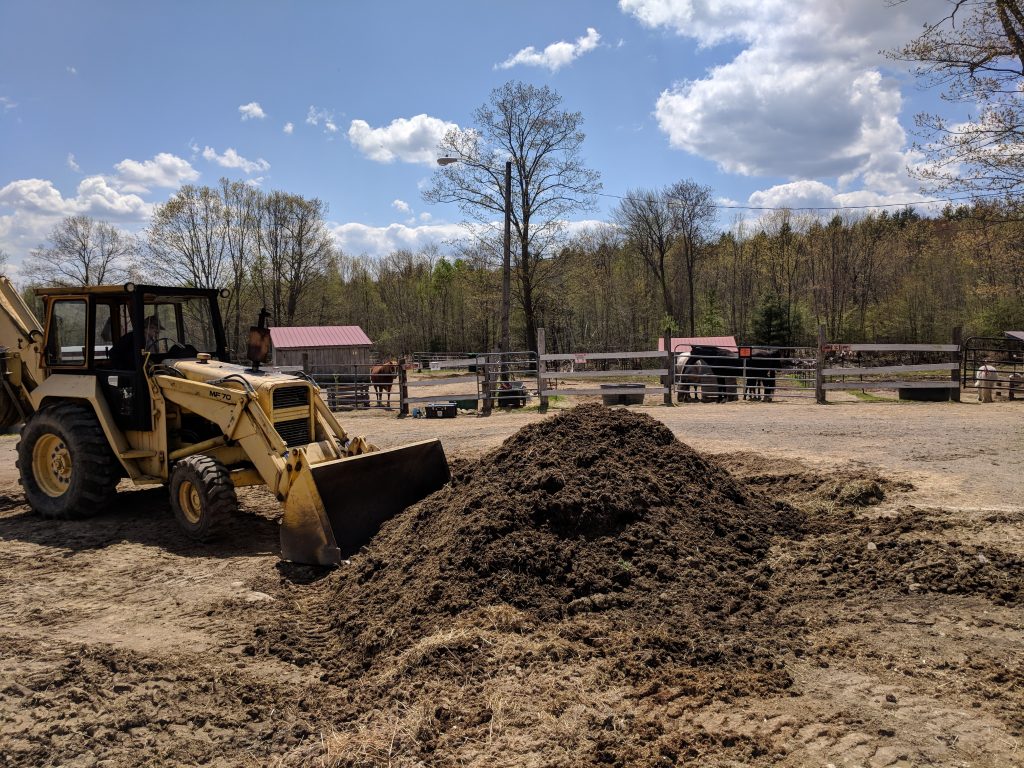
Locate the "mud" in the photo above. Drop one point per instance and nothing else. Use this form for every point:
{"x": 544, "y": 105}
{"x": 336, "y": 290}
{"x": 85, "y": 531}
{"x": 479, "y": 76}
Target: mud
{"x": 591, "y": 591}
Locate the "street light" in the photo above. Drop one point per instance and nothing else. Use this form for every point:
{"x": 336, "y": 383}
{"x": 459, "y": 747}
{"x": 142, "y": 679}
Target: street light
{"x": 506, "y": 261}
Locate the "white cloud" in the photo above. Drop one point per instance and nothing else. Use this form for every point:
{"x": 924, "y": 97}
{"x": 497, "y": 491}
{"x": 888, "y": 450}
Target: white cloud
{"x": 30, "y": 208}
{"x": 231, "y": 159}
{"x": 361, "y": 239}
{"x": 72, "y": 71}
{"x": 357, "y": 239}
{"x": 810, "y": 194}
{"x": 164, "y": 170}
{"x": 252, "y": 111}
{"x": 796, "y": 194}
{"x": 401, "y": 205}
{"x": 554, "y": 56}
{"x": 805, "y": 97}
{"x": 425, "y": 217}
{"x": 412, "y": 140}
{"x": 316, "y": 116}
{"x": 289, "y": 128}
{"x": 95, "y": 196}
{"x": 72, "y": 163}
{"x": 6, "y": 103}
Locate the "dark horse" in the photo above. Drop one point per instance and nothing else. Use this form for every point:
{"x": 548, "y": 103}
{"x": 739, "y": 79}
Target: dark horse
{"x": 719, "y": 365}
{"x": 382, "y": 376}
{"x": 762, "y": 367}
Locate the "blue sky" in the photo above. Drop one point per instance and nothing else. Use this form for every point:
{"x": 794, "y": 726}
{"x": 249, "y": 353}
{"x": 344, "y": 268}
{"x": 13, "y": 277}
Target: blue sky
{"x": 107, "y": 107}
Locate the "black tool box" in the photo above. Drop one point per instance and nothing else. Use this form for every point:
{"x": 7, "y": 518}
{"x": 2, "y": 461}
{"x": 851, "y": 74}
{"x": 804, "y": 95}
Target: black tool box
{"x": 440, "y": 410}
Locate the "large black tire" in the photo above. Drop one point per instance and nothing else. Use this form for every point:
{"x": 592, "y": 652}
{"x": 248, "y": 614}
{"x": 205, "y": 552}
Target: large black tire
{"x": 66, "y": 467}
{"x": 202, "y": 495}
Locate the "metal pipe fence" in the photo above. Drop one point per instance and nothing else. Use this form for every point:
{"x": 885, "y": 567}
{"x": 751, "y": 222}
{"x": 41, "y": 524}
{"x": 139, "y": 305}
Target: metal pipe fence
{"x": 355, "y": 386}
{"x": 994, "y": 367}
{"x": 755, "y": 373}
{"x": 483, "y": 381}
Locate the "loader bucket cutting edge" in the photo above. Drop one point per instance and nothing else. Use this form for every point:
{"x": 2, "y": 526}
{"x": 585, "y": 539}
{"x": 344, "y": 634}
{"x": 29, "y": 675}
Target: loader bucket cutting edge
{"x": 361, "y": 492}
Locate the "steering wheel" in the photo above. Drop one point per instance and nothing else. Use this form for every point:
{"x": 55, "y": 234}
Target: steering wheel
{"x": 154, "y": 345}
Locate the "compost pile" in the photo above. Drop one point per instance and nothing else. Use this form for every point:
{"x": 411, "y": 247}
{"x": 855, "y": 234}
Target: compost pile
{"x": 592, "y": 541}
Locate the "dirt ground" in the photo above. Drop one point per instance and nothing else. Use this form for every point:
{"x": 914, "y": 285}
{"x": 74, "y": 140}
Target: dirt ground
{"x": 884, "y": 628}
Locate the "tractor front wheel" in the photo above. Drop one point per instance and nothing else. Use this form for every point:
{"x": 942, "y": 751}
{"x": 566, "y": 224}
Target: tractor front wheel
{"x": 66, "y": 467}
{"x": 202, "y": 495}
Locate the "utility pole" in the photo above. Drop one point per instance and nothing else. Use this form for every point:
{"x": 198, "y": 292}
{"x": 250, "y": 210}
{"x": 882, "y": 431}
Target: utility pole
{"x": 506, "y": 266}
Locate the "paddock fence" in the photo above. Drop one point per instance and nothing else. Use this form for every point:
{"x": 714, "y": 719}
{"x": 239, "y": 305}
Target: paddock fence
{"x": 756, "y": 373}
{"x": 484, "y": 381}
{"x": 471, "y": 381}
{"x": 914, "y": 371}
{"x": 348, "y": 387}
{"x": 1002, "y": 359}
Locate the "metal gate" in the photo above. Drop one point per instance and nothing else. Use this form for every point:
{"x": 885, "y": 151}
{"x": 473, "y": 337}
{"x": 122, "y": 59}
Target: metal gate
{"x": 994, "y": 366}
{"x": 481, "y": 381}
{"x": 721, "y": 374}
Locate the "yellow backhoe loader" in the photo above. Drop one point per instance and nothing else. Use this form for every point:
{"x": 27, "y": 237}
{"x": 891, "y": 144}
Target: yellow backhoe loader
{"x": 133, "y": 381}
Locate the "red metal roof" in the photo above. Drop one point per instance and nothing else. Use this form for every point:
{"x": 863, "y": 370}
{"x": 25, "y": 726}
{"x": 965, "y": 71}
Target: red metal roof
{"x": 292, "y": 337}
{"x": 683, "y": 343}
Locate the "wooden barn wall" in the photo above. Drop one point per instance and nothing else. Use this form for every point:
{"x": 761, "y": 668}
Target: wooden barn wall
{"x": 322, "y": 357}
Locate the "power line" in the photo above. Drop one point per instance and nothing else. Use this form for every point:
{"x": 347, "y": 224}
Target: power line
{"x": 823, "y": 207}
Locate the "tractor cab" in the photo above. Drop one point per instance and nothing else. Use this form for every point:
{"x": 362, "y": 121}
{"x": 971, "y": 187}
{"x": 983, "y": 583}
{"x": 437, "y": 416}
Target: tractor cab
{"x": 116, "y": 332}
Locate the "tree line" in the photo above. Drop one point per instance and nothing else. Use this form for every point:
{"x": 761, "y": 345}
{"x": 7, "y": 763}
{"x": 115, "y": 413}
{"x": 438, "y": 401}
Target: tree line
{"x": 873, "y": 277}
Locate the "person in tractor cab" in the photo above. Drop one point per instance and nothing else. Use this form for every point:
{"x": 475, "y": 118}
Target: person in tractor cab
{"x": 123, "y": 352}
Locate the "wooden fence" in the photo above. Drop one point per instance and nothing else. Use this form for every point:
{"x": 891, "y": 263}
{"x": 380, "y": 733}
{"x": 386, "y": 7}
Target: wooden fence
{"x": 915, "y": 371}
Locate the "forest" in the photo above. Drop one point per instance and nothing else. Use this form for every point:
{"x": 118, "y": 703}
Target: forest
{"x": 877, "y": 276}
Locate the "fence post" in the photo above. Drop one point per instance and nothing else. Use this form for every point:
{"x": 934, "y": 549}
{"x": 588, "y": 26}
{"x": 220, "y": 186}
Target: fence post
{"x": 488, "y": 385}
{"x": 540, "y": 371}
{"x": 669, "y": 379}
{"x": 957, "y": 357}
{"x": 819, "y": 377}
{"x": 403, "y": 389}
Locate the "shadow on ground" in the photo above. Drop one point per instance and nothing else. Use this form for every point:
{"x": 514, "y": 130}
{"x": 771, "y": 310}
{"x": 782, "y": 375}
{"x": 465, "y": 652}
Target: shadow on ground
{"x": 141, "y": 517}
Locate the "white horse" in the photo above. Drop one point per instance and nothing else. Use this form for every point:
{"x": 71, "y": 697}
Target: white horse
{"x": 695, "y": 380}
{"x": 985, "y": 381}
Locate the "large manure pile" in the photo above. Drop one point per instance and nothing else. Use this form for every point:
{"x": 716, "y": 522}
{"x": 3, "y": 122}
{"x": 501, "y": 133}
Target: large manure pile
{"x": 592, "y": 545}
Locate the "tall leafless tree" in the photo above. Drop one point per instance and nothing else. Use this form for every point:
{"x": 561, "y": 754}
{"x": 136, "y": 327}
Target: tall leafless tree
{"x": 241, "y": 212}
{"x": 293, "y": 250}
{"x": 82, "y": 251}
{"x": 647, "y": 222}
{"x": 188, "y": 239}
{"x": 527, "y": 125}
{"x": 693, "y": 218}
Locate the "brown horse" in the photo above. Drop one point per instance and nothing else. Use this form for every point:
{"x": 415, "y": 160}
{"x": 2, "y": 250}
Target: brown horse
{"x": 382, "y": 376}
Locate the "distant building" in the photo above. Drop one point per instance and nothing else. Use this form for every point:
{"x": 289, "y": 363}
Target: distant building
{"x": 321, "y": 348}
{"x": 684, "y": 343}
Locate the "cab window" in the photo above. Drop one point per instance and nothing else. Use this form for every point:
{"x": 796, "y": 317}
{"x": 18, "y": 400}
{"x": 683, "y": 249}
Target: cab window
{"x": 65, "y": 337}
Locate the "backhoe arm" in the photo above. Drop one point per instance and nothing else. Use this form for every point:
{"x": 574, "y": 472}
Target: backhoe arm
{"x": 20, "y": 337}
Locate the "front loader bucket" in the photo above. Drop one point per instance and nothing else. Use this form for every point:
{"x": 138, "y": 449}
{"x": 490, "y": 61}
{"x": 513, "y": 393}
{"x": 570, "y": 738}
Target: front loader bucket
{"x": 359, "y": 493}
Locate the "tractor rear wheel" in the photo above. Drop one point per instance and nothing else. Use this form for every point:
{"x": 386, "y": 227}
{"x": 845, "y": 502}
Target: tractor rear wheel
{"x": 202, "y": 495}
{"x": 66, "y": 467}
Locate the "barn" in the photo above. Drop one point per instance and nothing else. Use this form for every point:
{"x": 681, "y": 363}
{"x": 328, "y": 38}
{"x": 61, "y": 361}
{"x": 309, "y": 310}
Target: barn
{"x": 685, "y": 343}
{"x": 321, "y": 348}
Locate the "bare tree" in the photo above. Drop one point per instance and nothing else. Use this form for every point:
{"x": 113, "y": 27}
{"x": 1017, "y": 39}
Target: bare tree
{"x": 647, "y": 221}
{"x": 82, "y": 251}
{"x": 975, "y": 53}
{"x": 241, "y": 214}
{"x": 693, "y": 219}
{"x": 293, "y": 250}
{"x": 526, "y": 125}
{"x": 188, "y": 239}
